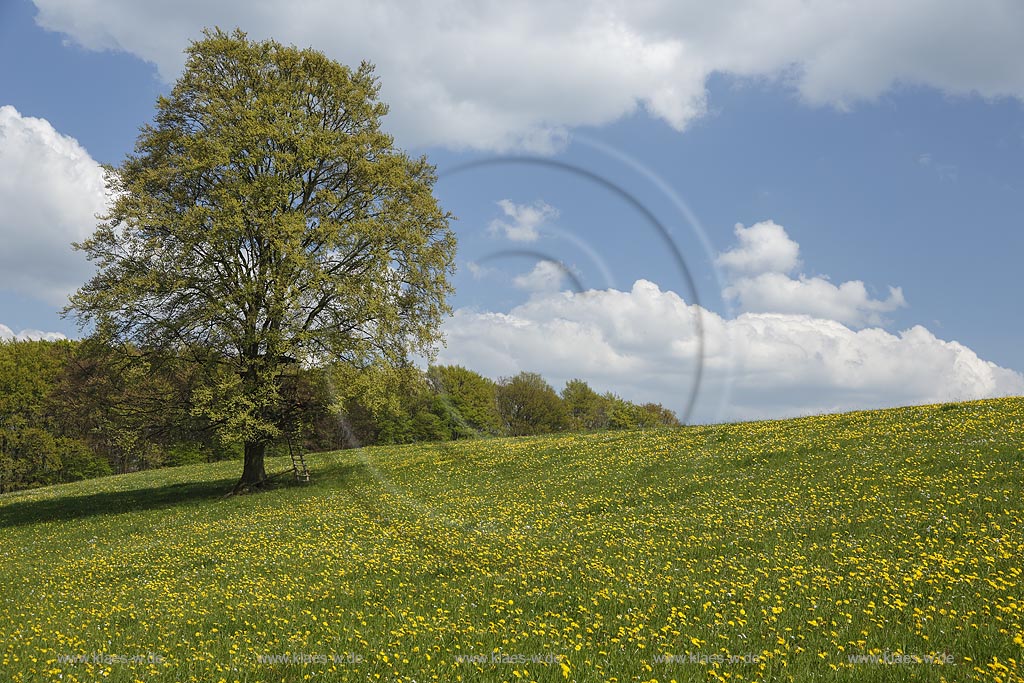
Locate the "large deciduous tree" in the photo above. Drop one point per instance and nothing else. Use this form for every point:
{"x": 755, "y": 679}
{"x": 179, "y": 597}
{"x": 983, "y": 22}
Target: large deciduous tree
{"x": 265, "y": 219}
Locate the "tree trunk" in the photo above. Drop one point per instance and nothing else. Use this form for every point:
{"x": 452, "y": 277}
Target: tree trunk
{"x": 254, "y": 476}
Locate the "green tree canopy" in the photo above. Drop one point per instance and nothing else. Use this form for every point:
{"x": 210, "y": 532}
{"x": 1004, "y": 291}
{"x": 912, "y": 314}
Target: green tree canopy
{"x": 470, "y": 399}
{"x": 265, "y": 219}
{"x": 528, "y": 405}
{"x": 587, "y": 409}
{"x": 38, "y": 446}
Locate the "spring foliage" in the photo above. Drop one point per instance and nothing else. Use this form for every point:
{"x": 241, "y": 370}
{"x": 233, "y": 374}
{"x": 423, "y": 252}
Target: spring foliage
{"x": 264, "y": 219}
{"x": 73, "y": 410}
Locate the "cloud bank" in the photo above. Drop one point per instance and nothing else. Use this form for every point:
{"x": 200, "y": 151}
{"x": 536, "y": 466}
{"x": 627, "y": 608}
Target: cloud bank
{"x": 799, "y": 346}
{"x": 643, "y": 345}
{"x": 500, "y": 75}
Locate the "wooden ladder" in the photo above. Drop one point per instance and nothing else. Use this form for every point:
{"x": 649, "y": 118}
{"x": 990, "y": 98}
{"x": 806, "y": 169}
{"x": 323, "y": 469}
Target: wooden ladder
{"x": 299, "y": 467}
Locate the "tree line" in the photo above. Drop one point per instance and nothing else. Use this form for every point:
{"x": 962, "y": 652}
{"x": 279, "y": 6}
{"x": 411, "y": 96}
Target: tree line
{"x": 72, "y": 410}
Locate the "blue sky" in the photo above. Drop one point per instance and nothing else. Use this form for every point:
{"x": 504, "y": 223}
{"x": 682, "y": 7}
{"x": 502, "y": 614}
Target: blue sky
{"x": 854, "y": 160}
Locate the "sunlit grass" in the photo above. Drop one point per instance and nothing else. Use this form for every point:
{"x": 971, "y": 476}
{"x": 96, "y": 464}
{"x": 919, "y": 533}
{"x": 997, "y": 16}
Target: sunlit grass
{"x": 791, "y": 546}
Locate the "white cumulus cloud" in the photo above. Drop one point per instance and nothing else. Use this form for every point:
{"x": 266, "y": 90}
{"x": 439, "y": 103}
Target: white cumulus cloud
{"x": 847, "y": 302}
{"x": 545, "y": 276}
{"x": 7, "y": 334}
{"x": 797, "y": 346}
{"x": 500, "y": 75}
{"x": 758, "y": 272}
{"x": 522, "y": 221}
{"x": 763, "y": 248}
{"x": 643, "y": 344}
{"x": 50, "y": 193}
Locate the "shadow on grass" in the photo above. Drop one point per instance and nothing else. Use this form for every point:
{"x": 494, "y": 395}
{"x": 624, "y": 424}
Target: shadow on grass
{"x": 112, "y": 503}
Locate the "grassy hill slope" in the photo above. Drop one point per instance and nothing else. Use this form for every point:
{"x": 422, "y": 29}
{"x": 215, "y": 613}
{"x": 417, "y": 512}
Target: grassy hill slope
{"x": 799, "y": 548}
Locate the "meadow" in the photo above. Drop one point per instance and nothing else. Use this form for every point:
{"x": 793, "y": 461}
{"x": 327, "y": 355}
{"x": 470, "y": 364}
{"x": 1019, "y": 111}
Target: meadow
{"x": 869, "y": 546}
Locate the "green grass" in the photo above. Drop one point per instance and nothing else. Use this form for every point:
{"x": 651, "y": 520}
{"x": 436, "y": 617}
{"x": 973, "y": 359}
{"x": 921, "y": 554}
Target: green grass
{"x": 801, "y": 543}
